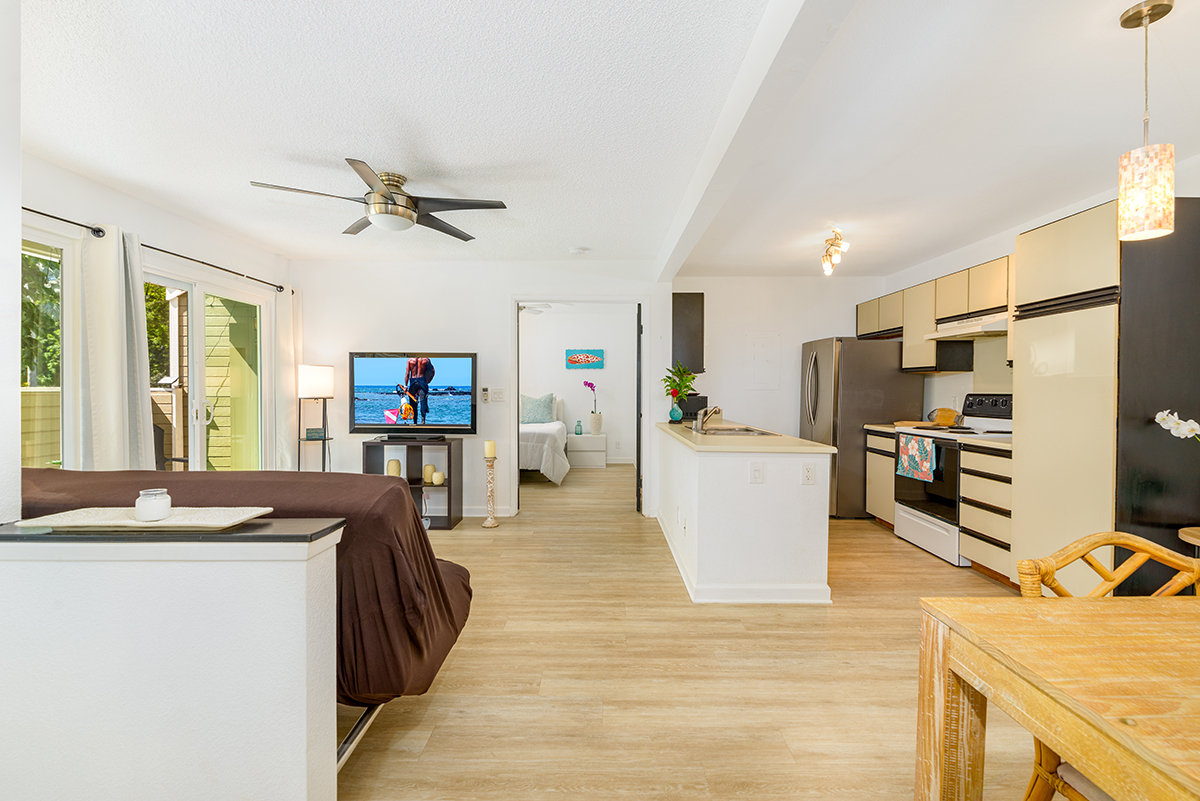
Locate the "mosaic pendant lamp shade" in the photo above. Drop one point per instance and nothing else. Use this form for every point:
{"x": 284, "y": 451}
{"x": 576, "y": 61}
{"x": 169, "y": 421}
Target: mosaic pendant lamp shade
{"x": 1146, "y": 196}
{"x": 1146, "y": 184}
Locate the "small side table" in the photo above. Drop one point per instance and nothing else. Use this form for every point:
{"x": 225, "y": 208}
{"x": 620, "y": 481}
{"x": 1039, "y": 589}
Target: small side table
{"x": 1191, "y": 535}
{"x": 587, "y": 450}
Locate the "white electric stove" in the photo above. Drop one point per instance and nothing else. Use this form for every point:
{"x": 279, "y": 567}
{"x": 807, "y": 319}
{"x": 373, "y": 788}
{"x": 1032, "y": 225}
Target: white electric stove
{"x": 927, "y": 511}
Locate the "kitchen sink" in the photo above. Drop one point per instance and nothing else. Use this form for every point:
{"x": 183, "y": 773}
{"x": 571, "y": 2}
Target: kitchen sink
{"x": 737, "y": 431}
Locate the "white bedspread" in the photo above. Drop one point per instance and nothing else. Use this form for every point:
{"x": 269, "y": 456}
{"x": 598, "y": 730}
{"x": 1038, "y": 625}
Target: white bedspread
{"x": 543, "y": 447}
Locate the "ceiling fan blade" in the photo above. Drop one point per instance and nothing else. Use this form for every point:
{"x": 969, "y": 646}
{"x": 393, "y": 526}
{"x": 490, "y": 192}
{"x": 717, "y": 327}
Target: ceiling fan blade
{"x": 429, "y": 221}
{"x": 432, "y": 205}
{"x": 305, "y": 191}
{"x": 371, "y": 177}
{"x": 358, "y": 226}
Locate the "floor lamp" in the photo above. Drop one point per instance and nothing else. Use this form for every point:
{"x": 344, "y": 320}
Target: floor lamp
{"x": 315, "y": 382}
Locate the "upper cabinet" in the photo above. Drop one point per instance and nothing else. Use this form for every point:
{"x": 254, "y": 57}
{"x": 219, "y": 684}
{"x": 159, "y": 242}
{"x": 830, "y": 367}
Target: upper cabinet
{"x": 1077, "y": 254}
{"x": 919, "y": 353}
{"x": 987, "y": 286}
{"x": 868, "y": 317}
{"x": 891, "y": 311}
{"x": 951, "y": 295}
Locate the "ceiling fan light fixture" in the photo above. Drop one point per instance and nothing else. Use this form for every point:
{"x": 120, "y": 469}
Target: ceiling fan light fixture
{"x": 391, "y": 216}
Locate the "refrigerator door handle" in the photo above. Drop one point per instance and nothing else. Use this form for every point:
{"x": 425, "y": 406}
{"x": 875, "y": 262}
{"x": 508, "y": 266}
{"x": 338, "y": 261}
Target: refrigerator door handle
{"x": 811, "y": 381}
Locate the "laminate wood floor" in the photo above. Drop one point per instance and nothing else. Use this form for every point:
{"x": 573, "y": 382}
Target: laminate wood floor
{"x": 585, "y": 672}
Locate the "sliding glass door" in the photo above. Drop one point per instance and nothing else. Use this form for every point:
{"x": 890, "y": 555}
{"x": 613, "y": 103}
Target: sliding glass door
{"x": 232, "y": 384}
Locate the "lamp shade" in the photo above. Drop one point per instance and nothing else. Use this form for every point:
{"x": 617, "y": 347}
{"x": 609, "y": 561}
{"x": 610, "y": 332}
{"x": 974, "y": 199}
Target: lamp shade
{"x": 1146, "y": 193}
{"x": 314, "y": 381}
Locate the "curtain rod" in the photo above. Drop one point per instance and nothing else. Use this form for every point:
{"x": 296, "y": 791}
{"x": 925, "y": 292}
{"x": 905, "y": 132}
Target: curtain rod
{"x": 98, "y": 232}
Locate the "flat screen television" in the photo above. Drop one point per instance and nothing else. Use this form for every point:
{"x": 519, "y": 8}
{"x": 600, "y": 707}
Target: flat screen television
{"x": 412, "y": 394}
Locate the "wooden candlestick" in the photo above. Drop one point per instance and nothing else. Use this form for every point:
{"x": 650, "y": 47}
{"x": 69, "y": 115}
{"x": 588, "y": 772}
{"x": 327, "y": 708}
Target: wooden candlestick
{"x": 491, "y": 493}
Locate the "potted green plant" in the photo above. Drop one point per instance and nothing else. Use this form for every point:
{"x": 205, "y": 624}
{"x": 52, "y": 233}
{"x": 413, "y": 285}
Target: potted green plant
{"x": 678, "y": 383}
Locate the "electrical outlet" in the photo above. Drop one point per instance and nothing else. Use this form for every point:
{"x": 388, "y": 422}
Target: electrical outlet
{"x": 498, "y": 396}
{"x": 483, "y": 394}
{"x": 756, "y": 472}
{"x": 808, "y": 473}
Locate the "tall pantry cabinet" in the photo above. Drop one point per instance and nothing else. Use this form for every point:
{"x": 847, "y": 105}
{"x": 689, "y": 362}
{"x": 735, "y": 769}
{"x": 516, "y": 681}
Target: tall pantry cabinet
{"x": 1082, "y": 418}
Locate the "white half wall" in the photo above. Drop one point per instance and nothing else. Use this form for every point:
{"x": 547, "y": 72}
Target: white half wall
{"x": 753, "y": 331}
{"x": 464, "y": 307}
{"x": 10, "y": 260}
{"x": 610, "y": 327}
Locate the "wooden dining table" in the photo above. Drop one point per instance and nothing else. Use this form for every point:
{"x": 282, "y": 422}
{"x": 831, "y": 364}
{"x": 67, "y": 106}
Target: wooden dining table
{"x": 1111, "y": 684}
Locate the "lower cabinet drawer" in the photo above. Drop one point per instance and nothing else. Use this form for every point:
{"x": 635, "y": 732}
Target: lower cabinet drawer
{"x": 985, "y": 553}
{"x": 986, "y": 463}
{"x": 996, "y": 493}
{"x": 992, "y": 525}
{"x": 881, "y": 442}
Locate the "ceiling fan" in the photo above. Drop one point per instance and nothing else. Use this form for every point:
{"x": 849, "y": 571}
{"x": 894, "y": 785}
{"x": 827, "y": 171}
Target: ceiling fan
{"x": 392, "y": 209}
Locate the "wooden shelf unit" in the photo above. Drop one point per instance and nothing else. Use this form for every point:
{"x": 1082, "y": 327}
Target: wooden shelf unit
{"x": 375, "y": 462}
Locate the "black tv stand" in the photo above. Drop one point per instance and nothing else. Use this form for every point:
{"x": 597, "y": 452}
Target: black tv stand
{"x": 411, "y": 438}
{"x": 375, "y": 461}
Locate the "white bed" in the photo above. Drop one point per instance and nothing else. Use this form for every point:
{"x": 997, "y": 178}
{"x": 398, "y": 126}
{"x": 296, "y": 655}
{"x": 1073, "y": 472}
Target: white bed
{"x": 543, "y": 446}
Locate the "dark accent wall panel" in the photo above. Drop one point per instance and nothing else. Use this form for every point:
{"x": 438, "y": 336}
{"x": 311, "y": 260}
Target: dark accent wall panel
{"x": 1158, "y": 475}
{"x": 687, "y": 330}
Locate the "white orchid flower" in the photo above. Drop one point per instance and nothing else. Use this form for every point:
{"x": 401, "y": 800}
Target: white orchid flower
{"x": 1186, "y": 429}
{"x": 1164, "y": 418}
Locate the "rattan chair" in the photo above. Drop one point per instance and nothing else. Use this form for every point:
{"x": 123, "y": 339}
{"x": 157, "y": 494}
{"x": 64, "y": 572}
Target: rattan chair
{"x": 1050, "y": 773}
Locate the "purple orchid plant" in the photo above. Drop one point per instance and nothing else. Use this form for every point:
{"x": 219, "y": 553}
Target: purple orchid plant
{"x": 592, "y": 387}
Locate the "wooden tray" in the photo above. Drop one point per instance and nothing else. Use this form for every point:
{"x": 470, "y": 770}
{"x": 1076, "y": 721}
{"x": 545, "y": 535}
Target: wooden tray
{"x": 120, "y": 519}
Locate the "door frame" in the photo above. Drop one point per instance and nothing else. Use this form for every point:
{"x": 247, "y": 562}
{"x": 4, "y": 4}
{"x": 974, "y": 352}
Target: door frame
{"x": 645, "y": 304}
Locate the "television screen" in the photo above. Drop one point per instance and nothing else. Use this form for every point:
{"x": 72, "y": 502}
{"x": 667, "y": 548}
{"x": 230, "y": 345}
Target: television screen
{"x": 412, "y": 393}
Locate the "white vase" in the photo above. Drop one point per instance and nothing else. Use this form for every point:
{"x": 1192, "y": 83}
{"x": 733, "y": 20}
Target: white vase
{"x": 595, "y": 421}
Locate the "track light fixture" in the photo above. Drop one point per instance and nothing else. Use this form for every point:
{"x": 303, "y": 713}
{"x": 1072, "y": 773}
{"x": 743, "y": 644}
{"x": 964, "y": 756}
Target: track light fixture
{"x": 835, "y": 246}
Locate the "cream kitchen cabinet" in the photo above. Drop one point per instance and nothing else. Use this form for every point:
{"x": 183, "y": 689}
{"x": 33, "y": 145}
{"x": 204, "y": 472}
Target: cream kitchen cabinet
{"x": 919, "y": 320}
{"x": 987, "y": 286}
{"x": 881, "y": 475}
{"x": 1076, "y": 254}
{"x": 985, "y": 508}
{"x": 951, "y": 295}
{"x": 868, "y": 317}
{"x": 891, "y": 312}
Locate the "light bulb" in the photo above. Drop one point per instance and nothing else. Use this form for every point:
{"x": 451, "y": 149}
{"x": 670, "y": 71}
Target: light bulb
{"x": 837, "y": 257}
{"x": 843, "y": 246}
{"x": 828, "y": 269}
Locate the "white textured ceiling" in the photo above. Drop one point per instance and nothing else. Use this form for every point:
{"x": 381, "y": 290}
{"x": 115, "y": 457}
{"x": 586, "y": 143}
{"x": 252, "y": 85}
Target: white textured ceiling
{"x": 587, "y": 119}
{"x": 928, "y": 125}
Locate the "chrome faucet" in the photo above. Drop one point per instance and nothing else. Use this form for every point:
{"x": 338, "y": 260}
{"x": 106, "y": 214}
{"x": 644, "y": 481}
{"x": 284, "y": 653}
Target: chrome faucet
{"x": 704, "y": 415}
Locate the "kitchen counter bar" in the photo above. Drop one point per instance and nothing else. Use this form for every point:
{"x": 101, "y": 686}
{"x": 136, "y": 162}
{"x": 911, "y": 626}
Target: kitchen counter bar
{"x": 741, "y": 443}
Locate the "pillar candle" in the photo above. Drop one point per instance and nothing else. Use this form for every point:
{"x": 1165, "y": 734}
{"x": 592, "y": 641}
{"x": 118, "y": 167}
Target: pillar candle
{"x": 489, "y": 449}
{"x": 428, "y": 473}
{"x": 393, "y": 467}
{"x": 439, "y": 478}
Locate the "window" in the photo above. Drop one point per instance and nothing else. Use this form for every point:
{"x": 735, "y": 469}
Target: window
{"x": 41, "y": 355}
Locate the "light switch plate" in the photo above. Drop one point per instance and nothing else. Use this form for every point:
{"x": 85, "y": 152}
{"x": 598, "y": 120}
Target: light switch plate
{"x": 498, "y": 396}
{"x": 756, "y": 472}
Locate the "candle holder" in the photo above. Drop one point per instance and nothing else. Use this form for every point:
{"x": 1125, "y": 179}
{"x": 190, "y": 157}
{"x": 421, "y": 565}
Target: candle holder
{"x": 491, "y": 521}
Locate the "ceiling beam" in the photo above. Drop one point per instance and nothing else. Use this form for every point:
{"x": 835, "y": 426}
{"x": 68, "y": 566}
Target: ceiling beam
{"x": 790, "y": 40}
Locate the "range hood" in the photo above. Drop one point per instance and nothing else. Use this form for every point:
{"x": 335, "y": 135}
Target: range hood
{"x": 987, "y": 325}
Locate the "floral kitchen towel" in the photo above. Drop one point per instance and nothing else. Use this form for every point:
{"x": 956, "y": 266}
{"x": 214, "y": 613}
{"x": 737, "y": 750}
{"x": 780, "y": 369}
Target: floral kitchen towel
{"x": 915, "y": 458}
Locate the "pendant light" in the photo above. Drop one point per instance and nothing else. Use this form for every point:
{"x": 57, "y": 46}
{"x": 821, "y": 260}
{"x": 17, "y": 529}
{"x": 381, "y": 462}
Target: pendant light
{"x": 1146, "y": 187}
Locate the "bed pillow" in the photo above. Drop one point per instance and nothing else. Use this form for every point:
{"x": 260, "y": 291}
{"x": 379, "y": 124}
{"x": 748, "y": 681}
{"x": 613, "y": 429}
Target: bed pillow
{"x": 537, "y": 410}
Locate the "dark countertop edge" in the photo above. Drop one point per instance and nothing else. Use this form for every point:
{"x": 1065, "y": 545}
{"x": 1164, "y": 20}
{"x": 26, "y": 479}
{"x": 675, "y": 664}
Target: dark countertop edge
{"x": 259, "y": 530}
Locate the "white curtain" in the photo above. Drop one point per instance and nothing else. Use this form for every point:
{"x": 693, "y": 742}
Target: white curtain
{"x": 116, "y": 427}
{"x": 289, "y": 350}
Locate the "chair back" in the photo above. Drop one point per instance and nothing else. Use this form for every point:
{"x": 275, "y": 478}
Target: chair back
{"x": 1036, "y": 573}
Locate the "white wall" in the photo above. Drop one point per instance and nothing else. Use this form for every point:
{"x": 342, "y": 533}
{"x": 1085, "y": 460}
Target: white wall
{"x": 54, "y": 190}
{"x": 610, "y": 327}
{"x": 785, "y": 313}
{"x": 10, "y": 260}
{"x": 463, "y": 306}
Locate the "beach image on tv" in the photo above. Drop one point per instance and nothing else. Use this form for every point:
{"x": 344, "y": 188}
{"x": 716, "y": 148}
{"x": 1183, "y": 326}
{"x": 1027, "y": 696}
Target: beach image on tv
{"x": 412, "y": 391}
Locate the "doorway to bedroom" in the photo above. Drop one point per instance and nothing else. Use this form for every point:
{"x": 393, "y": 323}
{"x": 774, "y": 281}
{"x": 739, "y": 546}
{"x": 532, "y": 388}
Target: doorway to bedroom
{"x": 578, "y": 368}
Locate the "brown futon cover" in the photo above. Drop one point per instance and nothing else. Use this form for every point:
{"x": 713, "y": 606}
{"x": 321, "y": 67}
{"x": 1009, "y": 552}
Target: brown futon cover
{"x": 400, "y": 609}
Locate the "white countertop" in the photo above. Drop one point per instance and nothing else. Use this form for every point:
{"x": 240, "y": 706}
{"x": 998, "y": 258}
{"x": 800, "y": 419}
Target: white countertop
{"x": 731, "y": 443}
{"x": 885, "y": 428}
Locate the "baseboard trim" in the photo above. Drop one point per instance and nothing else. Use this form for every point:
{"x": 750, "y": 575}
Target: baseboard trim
{"x": 994, "y": 575}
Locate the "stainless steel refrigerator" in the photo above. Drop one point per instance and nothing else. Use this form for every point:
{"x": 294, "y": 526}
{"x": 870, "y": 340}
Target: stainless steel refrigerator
{"x": 845, "y": 384}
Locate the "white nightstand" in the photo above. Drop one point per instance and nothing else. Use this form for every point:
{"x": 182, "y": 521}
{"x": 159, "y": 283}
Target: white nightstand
{"x": 587, "y": 450}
